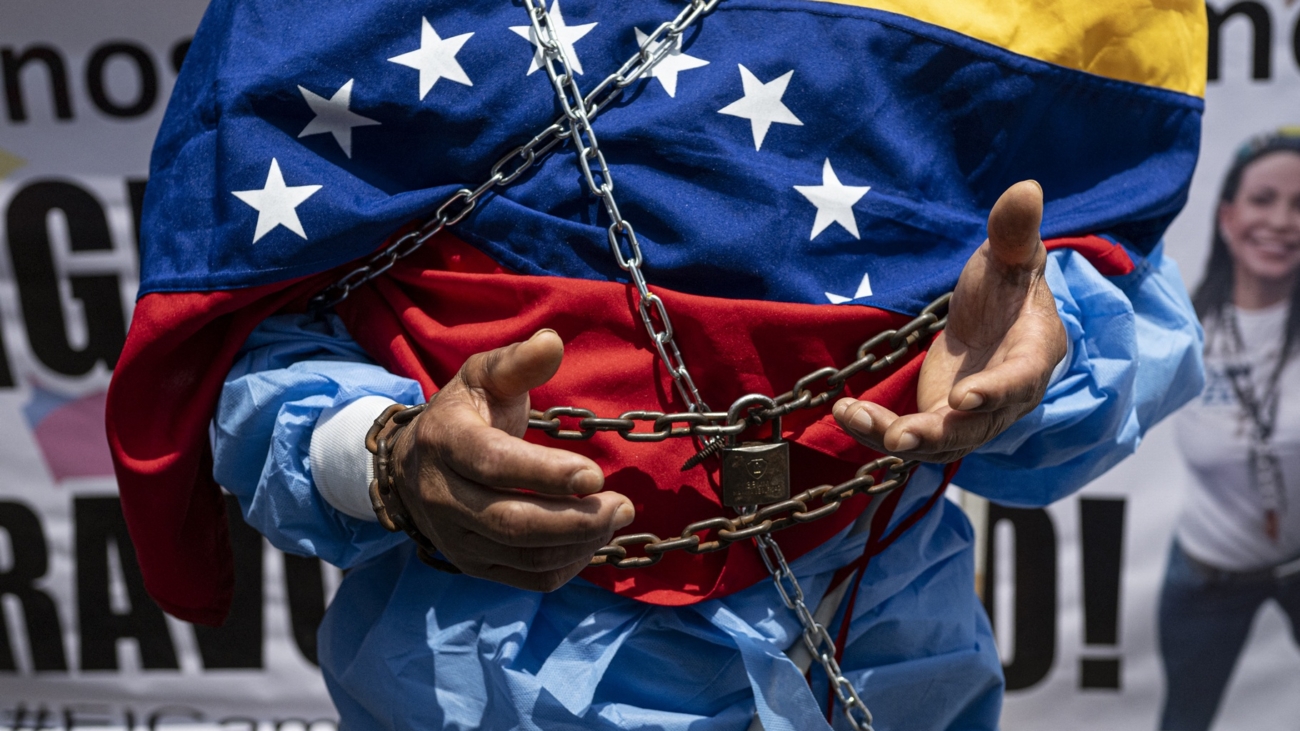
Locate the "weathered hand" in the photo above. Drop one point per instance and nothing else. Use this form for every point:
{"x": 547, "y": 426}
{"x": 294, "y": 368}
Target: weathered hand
{"x": 463, "y": 469}
{"x": 992, "y": 363}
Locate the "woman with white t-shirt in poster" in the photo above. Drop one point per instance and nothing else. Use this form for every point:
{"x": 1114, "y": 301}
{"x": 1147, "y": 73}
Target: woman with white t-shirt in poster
{"x": 1237, "y": 542}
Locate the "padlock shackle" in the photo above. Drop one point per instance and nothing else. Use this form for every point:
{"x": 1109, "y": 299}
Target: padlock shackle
{"x": 744, "y": 405}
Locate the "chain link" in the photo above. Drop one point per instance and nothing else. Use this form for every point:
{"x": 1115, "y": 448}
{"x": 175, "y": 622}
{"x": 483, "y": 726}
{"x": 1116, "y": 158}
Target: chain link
{"x": 815, "y": 637}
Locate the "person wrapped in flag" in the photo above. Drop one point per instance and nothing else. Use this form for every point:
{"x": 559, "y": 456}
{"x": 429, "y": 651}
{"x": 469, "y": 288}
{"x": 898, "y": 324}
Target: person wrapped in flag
{"x": 800, "y": 176}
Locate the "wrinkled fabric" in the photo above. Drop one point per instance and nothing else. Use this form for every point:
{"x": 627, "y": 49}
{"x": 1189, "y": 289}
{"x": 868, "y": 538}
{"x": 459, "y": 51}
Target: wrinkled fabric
{"x": 405, "y": 646}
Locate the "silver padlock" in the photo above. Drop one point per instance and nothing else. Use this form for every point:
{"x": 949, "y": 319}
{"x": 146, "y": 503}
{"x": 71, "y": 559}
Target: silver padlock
{"x": 755, "y": 473}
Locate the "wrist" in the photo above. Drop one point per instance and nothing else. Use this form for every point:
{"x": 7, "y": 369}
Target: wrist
{"x": 390, "y": 441}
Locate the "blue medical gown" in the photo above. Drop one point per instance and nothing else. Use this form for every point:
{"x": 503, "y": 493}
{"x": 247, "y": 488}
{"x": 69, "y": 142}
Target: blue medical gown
{"x": 404, "y": 646}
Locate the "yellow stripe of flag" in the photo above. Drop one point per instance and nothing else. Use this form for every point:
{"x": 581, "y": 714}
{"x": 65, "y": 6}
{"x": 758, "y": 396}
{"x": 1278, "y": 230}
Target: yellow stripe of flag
{"x": 1158, "y": 43}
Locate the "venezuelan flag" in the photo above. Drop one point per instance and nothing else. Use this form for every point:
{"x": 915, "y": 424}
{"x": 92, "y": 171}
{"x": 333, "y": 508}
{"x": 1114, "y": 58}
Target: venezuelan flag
{"x": 800, "y": 174}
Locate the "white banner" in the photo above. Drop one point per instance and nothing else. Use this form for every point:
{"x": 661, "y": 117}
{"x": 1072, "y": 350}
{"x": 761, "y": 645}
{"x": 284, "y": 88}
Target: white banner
{"x": 1073, "y": 589}
{"x": 84, "y": 87}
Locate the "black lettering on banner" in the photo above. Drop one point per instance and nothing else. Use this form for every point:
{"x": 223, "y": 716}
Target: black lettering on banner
{"x": 1035, "y": 591}
{"x": 305, "y": 588}
{"x": 40, "y": 718}
{"x": 40, "y": 613}
{"x": 174, "y": 713}
{"x": 1262, "y": 39}
{"x": 1101, "y": 534}
{"x": 238, "y": 642}
{"x": 102, "y": 716}
{"x": 1295, "y": 42}
{"x": 179, "y": 51}
{"x": 56, "y": 72}
{"x": 38, "y": 291}
{"x": 147, "y": 74}
{"x": 6, "y": 373}
{"x": 135, "y": 193}
{"x": 100, "y": 528}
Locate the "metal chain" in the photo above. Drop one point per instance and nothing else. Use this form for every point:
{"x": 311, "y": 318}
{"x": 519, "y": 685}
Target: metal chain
{"x": 813, "y": 504}
{"x": 815, "y": 637}
{"x": 806, "y": 507}
{"x": 601, "y": 184}
{"x": 699, "y": 422}
{"x": 508, "y": 169}
{"x": 756, "y": 523}
{"x": 712, "y": 424}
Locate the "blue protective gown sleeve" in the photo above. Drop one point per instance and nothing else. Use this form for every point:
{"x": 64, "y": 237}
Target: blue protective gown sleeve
{"x": 291, "y": 369}
{"x": 404, "y": 646}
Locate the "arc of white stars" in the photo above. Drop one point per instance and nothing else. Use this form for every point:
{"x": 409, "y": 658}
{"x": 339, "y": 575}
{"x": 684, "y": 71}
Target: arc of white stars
{"x": 435, "y": 58}
{"x": 568, "y": 35}
{"x": 276, "y": 203}
{"x": 334, "y": 116}
{"x": 834, "y": 201}
{"x": 762, "y": 104}
{"x": 672, "y": 64}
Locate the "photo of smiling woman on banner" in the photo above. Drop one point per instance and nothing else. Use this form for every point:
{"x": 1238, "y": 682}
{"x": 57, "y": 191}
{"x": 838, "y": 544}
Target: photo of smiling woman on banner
{"x": 1237, "y": 541}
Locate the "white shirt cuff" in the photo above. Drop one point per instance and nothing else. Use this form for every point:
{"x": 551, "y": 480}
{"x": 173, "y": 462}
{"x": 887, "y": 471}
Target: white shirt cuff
{"x": 341, "y": 466}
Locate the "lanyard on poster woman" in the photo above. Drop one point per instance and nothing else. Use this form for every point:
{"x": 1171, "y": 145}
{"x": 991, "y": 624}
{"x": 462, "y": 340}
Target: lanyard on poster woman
{"x": 1261, "y": 413}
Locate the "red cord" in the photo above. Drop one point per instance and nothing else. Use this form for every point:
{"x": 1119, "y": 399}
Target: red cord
{"x": 879, "y": 522}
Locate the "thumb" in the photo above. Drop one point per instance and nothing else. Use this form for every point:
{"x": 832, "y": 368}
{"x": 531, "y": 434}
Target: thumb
{"x": 1013, "y": 225}
{"x": 510, "y": 372}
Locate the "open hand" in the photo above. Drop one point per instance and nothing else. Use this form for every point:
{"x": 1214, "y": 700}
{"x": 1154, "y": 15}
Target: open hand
{"x": 992, "y": 363}
{"x": 462, "y": 468}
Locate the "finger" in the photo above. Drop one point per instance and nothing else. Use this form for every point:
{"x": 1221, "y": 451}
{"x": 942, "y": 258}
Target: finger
{"x": 489, "y": 456}
{"x": 510, "y": 372}
{"x": 932, "y": 434}
{"x": 486, "y": 553}
{"x": 536, "y": 521}
{"x": 1014, "y": 225}
{"x": 1016, "y": 383}
{"x": 546, "y": 581}
{"x": 864, "y": 421}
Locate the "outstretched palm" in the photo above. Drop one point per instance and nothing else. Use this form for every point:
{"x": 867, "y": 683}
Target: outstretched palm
{"x": 993, "y": 362}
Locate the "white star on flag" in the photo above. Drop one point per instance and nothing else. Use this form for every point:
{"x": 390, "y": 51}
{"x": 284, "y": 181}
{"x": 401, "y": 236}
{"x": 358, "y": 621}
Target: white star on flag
{"x": 864, "y": 290}
{"x": 834, "y": 201}
{"x": 762, "y": 104}
{"x": 334, "y": 116}
{"x": 435, "y": 58}
{"x": 568, "y": 35}
{"x": 276, "y": 203}
{"x": 669, "y": 66}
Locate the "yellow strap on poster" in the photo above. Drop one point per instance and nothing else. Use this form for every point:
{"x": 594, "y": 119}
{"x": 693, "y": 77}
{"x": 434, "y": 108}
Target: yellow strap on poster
{"x": 1153, "y": 42}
